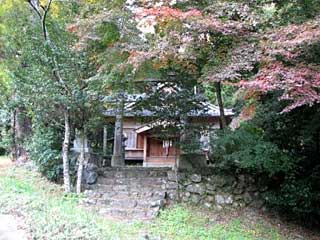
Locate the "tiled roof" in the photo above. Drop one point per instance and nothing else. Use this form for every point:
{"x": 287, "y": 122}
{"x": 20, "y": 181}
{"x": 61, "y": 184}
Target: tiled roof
{"x": 205, "y": 110}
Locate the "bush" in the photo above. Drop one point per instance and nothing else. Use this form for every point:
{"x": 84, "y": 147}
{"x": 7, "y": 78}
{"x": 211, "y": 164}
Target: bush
{"x": 5, "y": 142}
{"x": 2, "y": 151}
{"x": 5, "y": 133}
{"x": 282, "y": 149}
{"x": 109, "y": 33}
{"x": 246, "y": 150}
{"x": 294, "y": 196}
{"x": 44, "y": 150}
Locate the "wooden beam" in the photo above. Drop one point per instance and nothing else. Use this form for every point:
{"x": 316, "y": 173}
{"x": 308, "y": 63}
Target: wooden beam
{"x": 145, "y": 145}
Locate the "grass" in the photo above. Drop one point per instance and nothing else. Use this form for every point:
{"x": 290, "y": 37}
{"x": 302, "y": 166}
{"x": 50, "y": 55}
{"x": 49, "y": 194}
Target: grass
{"x": 49, "y": 214}
{"x": 183, "y": 222}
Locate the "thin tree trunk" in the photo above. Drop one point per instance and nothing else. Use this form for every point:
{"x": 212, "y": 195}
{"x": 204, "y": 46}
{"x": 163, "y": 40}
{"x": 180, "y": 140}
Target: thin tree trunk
{"x": 223, "y": 121}
{"x": 117, "y": 157}
{"x": 81, "y": 163}
{"x": 19, "y": 133}
{"x": 65, "y": 149}
{"x": 14, "y": 152}
{"x": 180, "y": 162}
{"x": 35, "y": 4}
{"x": 22, "y": 132}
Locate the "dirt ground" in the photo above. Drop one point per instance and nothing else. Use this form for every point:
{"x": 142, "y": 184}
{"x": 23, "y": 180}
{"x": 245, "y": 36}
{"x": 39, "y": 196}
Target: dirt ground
{"x": 10, "y": 228}
{"x": 5, "y": 162}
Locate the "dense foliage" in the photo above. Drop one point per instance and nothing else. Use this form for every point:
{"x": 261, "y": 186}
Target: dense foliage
{"x": 246, "y": 150}
{"x": 44, "y": 150}
{"x": 282, "y": 149}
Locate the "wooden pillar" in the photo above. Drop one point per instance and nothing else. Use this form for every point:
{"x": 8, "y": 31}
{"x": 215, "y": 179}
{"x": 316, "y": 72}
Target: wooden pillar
{"x": 105, "y": 139}
{"x": 145, "y": 146}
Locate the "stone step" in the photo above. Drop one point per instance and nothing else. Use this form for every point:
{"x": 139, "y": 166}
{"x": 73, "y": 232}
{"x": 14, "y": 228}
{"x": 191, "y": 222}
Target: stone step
{"x": 128, "y": 192}
{"x": 125, "y": 199}
{"x": 125, "y": 203}
{"x": 138, "y": 196}
{"x": 105, "y": 188}
{"x": 131, "y": 214}
{"x": 132, "y": 181}
{"x": 133, "y": 172}
{"x": 95, "y": 194}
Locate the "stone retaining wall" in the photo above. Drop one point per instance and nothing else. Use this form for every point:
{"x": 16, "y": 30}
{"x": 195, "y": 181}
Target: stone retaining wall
{"x": 216, "y": 191}
{"x": 138, "y": 192}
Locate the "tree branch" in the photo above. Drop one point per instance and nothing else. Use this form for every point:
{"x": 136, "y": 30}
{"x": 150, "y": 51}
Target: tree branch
{"x": 35, "y": 9}
{"x": 44, "y": 18}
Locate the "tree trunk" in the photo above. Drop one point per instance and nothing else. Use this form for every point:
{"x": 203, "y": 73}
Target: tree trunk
{"x": 183, "y": 135}
{"x": 223, "y": 121}
{"x": 81, "y": 163}
{"x": 117, "y": 157}
{"x": 14, "y": 151}
{"x": 22, "y": 132}
{"x": 65, "y": 149}
{"x": 21, "y": 129}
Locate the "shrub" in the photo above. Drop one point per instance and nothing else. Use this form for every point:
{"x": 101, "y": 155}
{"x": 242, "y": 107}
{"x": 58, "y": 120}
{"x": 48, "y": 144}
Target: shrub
{"x": 2, "y": 151}
{"x": 5, "y": 133}
{"x": 44, "y": 150}
{"x": 294, "y": 196}
{"x": 5, "y": 142}
{"x": 109, "y": 33}
{"x": 246, "y": 150}
{"x": 282, "y": 149}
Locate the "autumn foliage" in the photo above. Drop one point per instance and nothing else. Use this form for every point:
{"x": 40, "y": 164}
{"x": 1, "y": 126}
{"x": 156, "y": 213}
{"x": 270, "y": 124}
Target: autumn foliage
{"x": 167, "y": 12}
{"x": 272, "y": 59}
{"x": 284, "y": 68}
{"x": 290, "y": 41}
{"x": 299, "y": 84}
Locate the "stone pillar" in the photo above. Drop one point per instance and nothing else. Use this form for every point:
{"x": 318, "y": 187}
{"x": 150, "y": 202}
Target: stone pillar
{"x": 80, "y": 143}
{"x": 105, "y": 139}
{"x": 117, "y": 157}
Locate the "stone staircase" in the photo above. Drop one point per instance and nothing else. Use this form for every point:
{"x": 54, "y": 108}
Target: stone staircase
{"x": 128, "y": 192}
